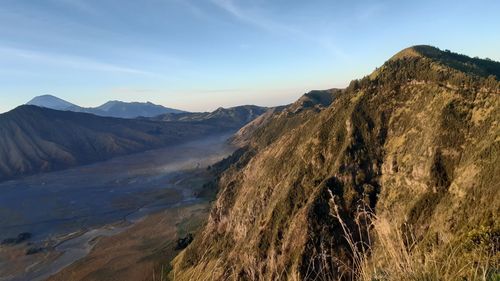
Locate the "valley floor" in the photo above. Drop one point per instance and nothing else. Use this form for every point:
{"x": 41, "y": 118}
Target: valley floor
{"x": 140, "y": 252}
{"x": 137, "y": 201}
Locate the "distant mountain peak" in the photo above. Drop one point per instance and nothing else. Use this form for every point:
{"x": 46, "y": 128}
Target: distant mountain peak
{"x": 112, "y": 108}
{"x": 50, "y": 101}
{"x": 47, "y": 96}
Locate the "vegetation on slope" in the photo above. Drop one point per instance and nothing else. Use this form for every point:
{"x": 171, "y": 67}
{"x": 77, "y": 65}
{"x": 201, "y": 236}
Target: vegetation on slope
{"x": 416, "y": 143}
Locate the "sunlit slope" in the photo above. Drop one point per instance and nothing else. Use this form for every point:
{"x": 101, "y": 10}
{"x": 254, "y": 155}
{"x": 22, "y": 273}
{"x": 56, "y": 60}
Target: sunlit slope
{"x": 417, "y": 143}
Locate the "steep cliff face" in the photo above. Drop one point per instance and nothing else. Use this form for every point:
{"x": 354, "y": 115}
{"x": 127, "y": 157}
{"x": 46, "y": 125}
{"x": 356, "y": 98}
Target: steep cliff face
{"x": 416, "y": 143}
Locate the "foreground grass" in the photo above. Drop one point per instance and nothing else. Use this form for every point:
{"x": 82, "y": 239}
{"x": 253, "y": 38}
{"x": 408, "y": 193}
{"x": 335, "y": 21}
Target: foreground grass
{"x": 393, "y": 254}
{"x": 389, "y": 253}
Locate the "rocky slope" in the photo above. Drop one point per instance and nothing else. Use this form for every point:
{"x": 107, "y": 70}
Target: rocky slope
{"x": 415, "y": 144}
{"x": 35, "y": 139}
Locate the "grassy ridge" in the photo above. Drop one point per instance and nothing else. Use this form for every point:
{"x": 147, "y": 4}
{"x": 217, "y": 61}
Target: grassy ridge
{"x": 417, "y": 142}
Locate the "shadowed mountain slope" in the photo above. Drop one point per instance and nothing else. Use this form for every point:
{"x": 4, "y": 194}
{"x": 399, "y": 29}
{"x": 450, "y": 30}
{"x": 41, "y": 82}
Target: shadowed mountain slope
{"x": 35, "y": 139}
{"x": 233, "y": 117}
{"x": 130, "y": 109}
{"x": 417, "y": 143}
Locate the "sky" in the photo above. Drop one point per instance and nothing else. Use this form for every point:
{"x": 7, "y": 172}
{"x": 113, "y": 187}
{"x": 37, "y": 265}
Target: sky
{"x": 198, "y": 55}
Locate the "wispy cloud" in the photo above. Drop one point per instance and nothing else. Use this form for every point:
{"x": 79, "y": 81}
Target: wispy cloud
{"x": 74, "y": 62}
{"x": 254, "y": 18}
{"x": 260, "y": 21}
{"x": 80, "y": 5}
{"x": 191, "y": 7}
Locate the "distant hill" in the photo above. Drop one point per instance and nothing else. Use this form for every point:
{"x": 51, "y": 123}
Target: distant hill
{"x": 314, "y": 101}
{"x": 37, "y": 139}
{"x": 131, "y": 109}
{"x": 233, "y": 117}
{"x": 117, "y": 109}
{"x": 395, "y": 177}
{"x": 244, "y": 135}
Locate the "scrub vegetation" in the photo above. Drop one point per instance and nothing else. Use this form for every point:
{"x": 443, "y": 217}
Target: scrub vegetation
{"x": 395, "y": 177}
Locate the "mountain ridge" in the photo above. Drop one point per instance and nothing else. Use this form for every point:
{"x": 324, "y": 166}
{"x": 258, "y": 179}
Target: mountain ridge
{"x": 417, "y": 142}
{"x": 36, "y": 139}
{"x": 113, "y": 108}
{"x": 237, "y": 116}
{"x": 474, "y": 66}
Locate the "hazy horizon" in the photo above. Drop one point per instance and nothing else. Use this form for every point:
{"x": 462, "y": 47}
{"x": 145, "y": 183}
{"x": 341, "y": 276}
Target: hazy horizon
{"x": 200, "y": 55}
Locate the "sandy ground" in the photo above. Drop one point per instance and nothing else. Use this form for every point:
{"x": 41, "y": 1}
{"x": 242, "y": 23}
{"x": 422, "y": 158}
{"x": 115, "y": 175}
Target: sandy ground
{"x": 139, "y": 252}
{"x": 69, "y": 211}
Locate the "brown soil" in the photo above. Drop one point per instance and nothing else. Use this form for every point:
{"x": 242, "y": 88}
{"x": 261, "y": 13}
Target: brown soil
{"x": 139, "y": 252}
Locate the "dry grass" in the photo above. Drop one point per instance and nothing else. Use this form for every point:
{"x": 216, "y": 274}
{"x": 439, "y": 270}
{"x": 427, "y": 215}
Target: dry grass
{"x": 398, "y": 257}
{"x": 160, "y": 275}
{"x": 392, "y": 255}
{"x": 387, "y": 254}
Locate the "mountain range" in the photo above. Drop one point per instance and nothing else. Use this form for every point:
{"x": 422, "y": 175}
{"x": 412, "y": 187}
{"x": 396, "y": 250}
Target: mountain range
{"x": 238, "y": 116}
{"x": 38, "y": 139}
{"x": 395, "y": 177}
{"x": 118, "y": 109}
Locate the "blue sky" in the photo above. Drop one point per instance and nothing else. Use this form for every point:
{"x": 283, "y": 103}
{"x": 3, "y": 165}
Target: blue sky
{"x": 202, "y": 54}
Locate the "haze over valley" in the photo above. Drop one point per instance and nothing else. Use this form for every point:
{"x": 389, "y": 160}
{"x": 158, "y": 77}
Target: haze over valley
{"x": 57, "y": 207}
{"x": 233, "y": 140}
{"x": 55, "y": 202}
